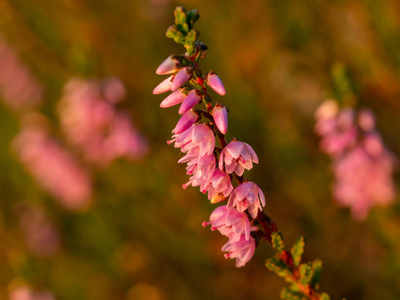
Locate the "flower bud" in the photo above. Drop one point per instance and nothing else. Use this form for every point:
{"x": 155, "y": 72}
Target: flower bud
{"x": 173, "y": 99}
{"x": 185, "y": 122}
{"x": 168, "y": 66}
{"x": 180, "y": 78}
{"x": 164, "y": 86}
{"x": 218, "y": 198}
{"x": 220, "y": 115}
{"x": 215, "y": 83}
{"x": 190, "y": 101}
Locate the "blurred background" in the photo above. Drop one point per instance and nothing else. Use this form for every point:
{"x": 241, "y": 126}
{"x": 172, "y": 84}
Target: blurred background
{"x": 81, "y": 219}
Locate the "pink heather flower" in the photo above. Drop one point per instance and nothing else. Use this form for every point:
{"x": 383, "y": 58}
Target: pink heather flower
{"x": 230, "y": 222}
{"x": 220, "y": 184}
{"x": 236, "y": 157}
{"x": 186, "y": 121}
{"x": 168, "y": 66}
{"x": 199, "y": 138}
{"x": 215, "y": 83}
{"x": 242, "y": 250}
{"x": 164, "y": 86}
{"x": 220, "y": 115}
{"x": 18, "y": 88}
{"x": 181, "y": 77}
{"x": 366, "y": 120}
{"x": 247, "y": 196}
{"x": 173, "y": 99}
{"x": 91, "y": 123}
{"x": 201, "y": 168}
{"x": 53, "y": 167}
{"x": 190, "y": 101}
{"x": 42, "y": 237}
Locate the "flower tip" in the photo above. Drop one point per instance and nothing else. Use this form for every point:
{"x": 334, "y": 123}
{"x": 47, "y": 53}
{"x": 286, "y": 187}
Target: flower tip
{"x": 216, "y": 84}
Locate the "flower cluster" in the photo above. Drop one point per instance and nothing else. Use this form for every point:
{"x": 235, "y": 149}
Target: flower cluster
{"x": 212, "y": 168}
{"x": 362, "y": 165}
{"x": 53, "y": 167}
{"x": 91, "y": 122}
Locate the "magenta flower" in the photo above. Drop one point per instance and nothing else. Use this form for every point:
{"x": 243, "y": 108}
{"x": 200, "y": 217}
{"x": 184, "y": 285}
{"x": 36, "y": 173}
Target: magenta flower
{"x": 220, "y": 115}
{"x": 242, "y": 250}
{"x": 230, "y": 222}
{"x": 190, "y": 101}
{"x": 168, "y": 66}
{"x": 215, "y": 83}
{"x": 181, "y": 77}
{"x": 247, "y": 196}
{"x": 220, "y": 186}
{"x": 185, "y": 122}
{"x": 164, "y": 86}
{"x": 236, "y": 157}
{"x": 173, "y": 99}
{"x": 201, "y": 168}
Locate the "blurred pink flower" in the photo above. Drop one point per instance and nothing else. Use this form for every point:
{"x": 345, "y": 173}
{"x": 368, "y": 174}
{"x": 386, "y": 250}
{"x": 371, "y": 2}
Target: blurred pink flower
{"x": 362, "y": 165}
{"x": 242, "y": 250}
{"x": 42, "y": 236}
{"x": 18, "y": 88}
{"x": 92, "y": 124}
{"x": 24, "y": 292}
{"x": 53, "y": 167}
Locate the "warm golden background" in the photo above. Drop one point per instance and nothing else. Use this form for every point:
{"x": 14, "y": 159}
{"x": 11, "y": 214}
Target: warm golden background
{"x": 142, "y": 237}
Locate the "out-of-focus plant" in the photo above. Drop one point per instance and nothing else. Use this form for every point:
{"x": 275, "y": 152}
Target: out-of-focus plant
{"x": 218, "y": 169}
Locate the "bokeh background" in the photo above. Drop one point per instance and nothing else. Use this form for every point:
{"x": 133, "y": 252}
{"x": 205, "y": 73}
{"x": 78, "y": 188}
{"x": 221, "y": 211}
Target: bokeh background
{"x": 141, "y": 237}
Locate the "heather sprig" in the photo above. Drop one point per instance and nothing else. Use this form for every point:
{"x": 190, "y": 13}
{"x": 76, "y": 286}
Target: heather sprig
{"x": 218, "y": 169}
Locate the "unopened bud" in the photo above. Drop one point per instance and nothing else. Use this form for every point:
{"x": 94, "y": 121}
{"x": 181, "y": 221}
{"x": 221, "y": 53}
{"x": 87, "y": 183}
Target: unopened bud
{"x": 186, "y": 121}
{"x": 220, "y": 115}
{"x": 190, "y": 101}
{"x": 173, "y": 99}
{"x": 180, "y": 78}
{"x": 168, "y": 66}
{"x": 164, "y": 86}
{"x": 216, "y": 84}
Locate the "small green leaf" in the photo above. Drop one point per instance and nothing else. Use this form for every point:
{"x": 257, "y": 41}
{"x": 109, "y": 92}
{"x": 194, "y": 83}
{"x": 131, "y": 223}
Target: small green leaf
{"x": 306, "y": 273}
{"x": 297, "y": 250}
{"x": 191, "y": 37}
{"x": 171, "y": 32}
{"x": 193, "y": 16}
{"x": 277, "y": 241}
{"x": 179, "y": 38}
{"x": 279, "y": 267}
{"x": 317, "y": 267}
{"x": 180, "y": 15}
{"x": 287, "y": 294}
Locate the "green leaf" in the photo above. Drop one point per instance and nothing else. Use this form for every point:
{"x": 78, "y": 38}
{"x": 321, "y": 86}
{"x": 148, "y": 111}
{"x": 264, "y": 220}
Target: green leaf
{"x": 287, "y": 294}
{"x": 317, "y": 267}
{"x": 297, "y": 250}
{"x": 325, "y": 296}
{"x": 179, "y": 38}
{"x": 180, "y": 15}
{"x": 191, "y": 37}
{"x": 306, "y": 273}
{"x": 171, "y": 32}
{"x": 279, "y": 267}
{"x": 277, "y": 241}
{"x": 193, "y": 16}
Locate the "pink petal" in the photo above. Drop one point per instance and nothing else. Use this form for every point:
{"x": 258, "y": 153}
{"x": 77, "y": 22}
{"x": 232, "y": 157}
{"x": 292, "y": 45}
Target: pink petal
{"x": 235, "y": 148}
{"x": 168, "y": 66}
{"x": 220, "y": 115}
{"x": 180, "y": 78}
{"x": 186, "y": 121}
{"x": 216, "y": 84}
{"x": 164, "y": 86}
{"x": 190, "y": 101}
{"x": 173, "y": 99}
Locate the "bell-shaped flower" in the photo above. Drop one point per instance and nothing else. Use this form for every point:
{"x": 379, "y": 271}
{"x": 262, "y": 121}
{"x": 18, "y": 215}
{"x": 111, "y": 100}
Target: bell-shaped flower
{"x": 215, "y": 83}
{"x": 168, "y": 66}
{"x": 173, "y": 99}
{"x": 220, "y": 115}
{"x": 190, "y": 101}
{"x": 242, "y": 250}
{"x": 220, "y": 186}
{"x": 247, "y": 196}
{"x": 199, "y": 138}
{"x": 230, "y": 222}
{"x": 180, "y": 78}
{"x": 186, "y": 121}
{"x": 164, "y": 86}
{"x": 236, "y": 157}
